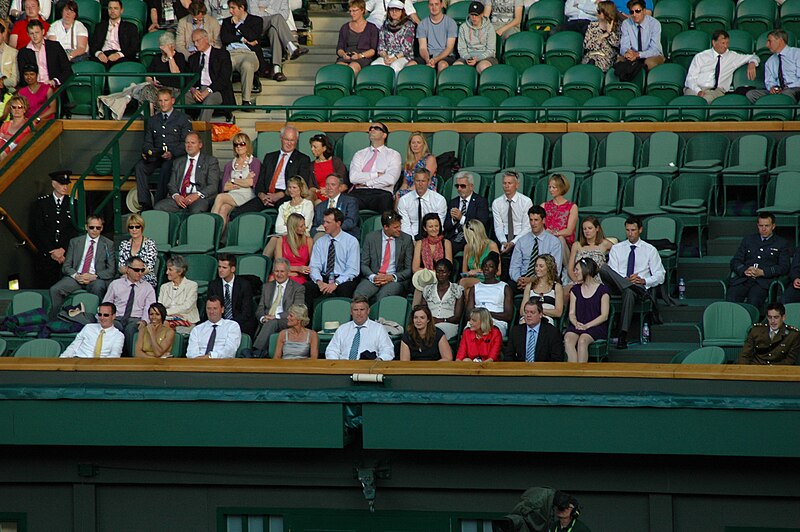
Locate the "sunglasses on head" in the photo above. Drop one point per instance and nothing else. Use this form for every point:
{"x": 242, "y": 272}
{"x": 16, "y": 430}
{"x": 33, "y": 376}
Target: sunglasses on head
{"x": 137, "y": 270}
{"x": 96, "y": 227}
{"x": 134, "y": 227}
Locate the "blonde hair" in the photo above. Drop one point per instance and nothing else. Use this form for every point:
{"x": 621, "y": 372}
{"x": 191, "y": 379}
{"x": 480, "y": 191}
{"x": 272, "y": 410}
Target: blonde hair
{"x": 301, "y": 184}
{"x": 484, "y": 318}
{"x": 550, "y": 263}
{"x": 295, "y": 240}
{"x": 301, "y": 313}
{"x": 243, "y": 137}
{"x": 135, "y": 218}
{"x": 562, "y": 183}
{"x": 477, "y": 241}
{"x": 411, "y": 159}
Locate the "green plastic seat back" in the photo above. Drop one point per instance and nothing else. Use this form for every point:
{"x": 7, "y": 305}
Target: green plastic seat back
{"x": 573, "y": 149}
{"x": 662, "y": 148}
{"x": 137, "y": 73}
{"x": 249, "y": 231}
{"x": 159, "y": 228}
{"x": 458, "y": 11}
{"x": 564, "y": 49}
{"x": 674, "y": 16}
{"x": 662, "y": 228}
{"x": 257, "y": 265}
{"x": 201, "y": 231}
{"x": 583, "y": 82}
{"x": 618, "y": 148}
{"x": 614, "y": 226}
{"x": 706, "y": 147}
{"x": 350, "y": 109}
{"x": 303, "y": 109}
{"x": 725, "y": 323}
{"x": 540, "y": 82}
{"x": 267, "y": 142}
{"x": 666, "y": 81}
{"x": 201, "y": 267}
{"x": 530, "y": 150}
{"x": 445, "y": 140}
{"x": 304, "y": 141}
{"x": 498, "y": 82}
{"x": 691, "y": 187}
{"x": 786, "y": 198}
{"x": 774, "y": 107}
{"x": 149, "y": 47}
{"x": 23, "y": 301}
{"x": 431, "y": 109}
{"x": 523, "y": 49}
{"x": 712, "y": 15}
{"x": 559, "y": 109}
{"x": 790, "y": 16}
{"x": 789, "y": 151}
{"x": 333, "y": 82}
{"x": 422, "y": 9}
{"x": 371, "y": 224}
{"x": 350, "y": 143}
{"x": 597, "y": 109}
{"x": 331, "y": 309}
{"x": 544, "y": 15}
{"x": 517, "y": 109}
{"x": 136, "y": 12}
{"x": 90, "y": 301}
{"x": 756, "y": 16}
{"x": 398, "y": 141}
{"x": 602, "y": 188}
{"x": 475, "y": 109}
{"x": 90, "y": 13}
{"x": 416, "y": 82}
{"x": 687, "y": 108}
{"x": 644, "y": 109}
{"x": 643, "y": 191}
{"x": 391, "y": 308}
{"x": 742, "y": 41}
{"x": 793, "y": 314}
{"x": 39, "y": 348}
{"x": 374, "y": 82}
{"x": 84, "y": 90}
{"x": 711, "y": 354}
{"x": 390, "y": 109}
{"x": 624, "y": 91}
{"x": 484, "y": 149}
{"x": 752, "y": 150}
{"x": 457, "y": 82}
{"x": 687, "y": 44}
{"x": 729, "y": 108}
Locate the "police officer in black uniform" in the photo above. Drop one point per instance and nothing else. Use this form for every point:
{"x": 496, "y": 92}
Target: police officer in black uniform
{"x": 759, "y": 260}
{"x": 164, "y": 137}
{"x": 52, "y": 229}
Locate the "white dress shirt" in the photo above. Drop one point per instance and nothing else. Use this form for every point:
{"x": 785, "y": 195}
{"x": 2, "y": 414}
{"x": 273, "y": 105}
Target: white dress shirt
{"x": 388, "y": 162}
{"x": 373, "y": 338}
{"x": 701, "y": 71}
{"x": 226, "y": 343}
{"x": 519, "y": 208}
{"x": 407, "y": 208}
{"x": 192, "y": 182}
{"x": 377, "y": 11}
{"x": 205, "y": 74}
{"x": 83, "y": 345}
{"x": 392, "y": 269}
{"x": 648, "y": 264}
{"x": 280, "y": 288}
{"x": 83, "y": 256}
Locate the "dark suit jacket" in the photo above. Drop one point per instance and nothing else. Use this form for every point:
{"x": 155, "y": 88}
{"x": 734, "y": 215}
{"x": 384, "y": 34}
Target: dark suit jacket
{"x": 58, "y": 66}
{"x": 250, "y": 28}
{"x": 206, "y": 176}
{"x": 173, "y": 134}
{"x": 298, "y": 164}
{"x": 349, "y": 208}
{"x": 105, "y": 264}
{"x": 128, "y": 39}
{"x": 219, "y": 69}
{"x": 242, "y": 297}
{"x": 794, "y": 269}
{"x": 478, "y": 208}
{"x": 372, "y": 255}
{"x": 294, "y": 294}
{"x": 549, "y": 344}
{"x": 772, "y": 256}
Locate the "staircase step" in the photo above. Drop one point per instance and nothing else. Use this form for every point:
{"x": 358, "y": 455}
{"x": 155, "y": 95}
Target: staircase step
{"x": 724, "y": 245}
{"x": 709, "y": 267}
{"x": 690, "y": 310}
{"x": 653, "y": 353}
{"x": 675, "y": 332}
{"x": 737, "y": 226}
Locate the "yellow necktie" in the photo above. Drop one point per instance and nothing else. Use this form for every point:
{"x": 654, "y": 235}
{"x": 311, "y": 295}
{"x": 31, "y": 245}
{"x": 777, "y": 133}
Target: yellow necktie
{"x": 274, "y": 308}
{"x": 98, "y": 346}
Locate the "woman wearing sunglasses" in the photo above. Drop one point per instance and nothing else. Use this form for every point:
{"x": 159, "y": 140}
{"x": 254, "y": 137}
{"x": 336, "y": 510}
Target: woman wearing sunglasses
{"x": 140, "y": 246}
{"x": 18, "y": 106}
{"x": 238, "y": 178}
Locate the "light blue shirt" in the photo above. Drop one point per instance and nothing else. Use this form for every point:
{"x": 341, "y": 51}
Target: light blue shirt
{"x": 520, "y": 258}
{"x": 791, "y": 68}
{"x": 651, "y": 37}
{"x": 348, "y": 257}
{"x": 580, "y": 10}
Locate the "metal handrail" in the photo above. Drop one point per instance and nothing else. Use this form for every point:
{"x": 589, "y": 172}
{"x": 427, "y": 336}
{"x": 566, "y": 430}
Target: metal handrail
{"x": 22, "y": 238}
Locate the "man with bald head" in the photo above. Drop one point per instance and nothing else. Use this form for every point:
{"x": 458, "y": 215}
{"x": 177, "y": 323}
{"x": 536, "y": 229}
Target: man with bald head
{"x": 214, "y": 84}
{"x": 194, "y": 181}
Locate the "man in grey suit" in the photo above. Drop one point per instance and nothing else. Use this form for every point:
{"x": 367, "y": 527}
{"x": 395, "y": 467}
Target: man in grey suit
{"x": 90, "y": 264}
{"x": 276, "y": 299}
{"x": 194, "y": 181}
{"x": 386, "y": 260}
{"x": 336, "y": 200}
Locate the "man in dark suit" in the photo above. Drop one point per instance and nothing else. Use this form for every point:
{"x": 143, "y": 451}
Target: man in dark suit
{"x": 386, "y": 260}
{"x": 235, "y": 292}
{"x": 164, "y": 138}
{"x": 52, "y": 229}
{"x": 194, "y": 182}
{"x": 467, "y": 206}
{"x": 534, "y": 341}
{"x": 59, "y": 69}
{"x": 213, "y": 87}
{"x": 760, "y": 259}
{"x": 791, "y": 294}
{"x": 337, "y": 200}
{"x": 114, "y": 40}
{"x": 90, "y": 264}
{"x": 240, "y": 34}
{"x": 277, "y": 298}
{"x": 278, "y": 166}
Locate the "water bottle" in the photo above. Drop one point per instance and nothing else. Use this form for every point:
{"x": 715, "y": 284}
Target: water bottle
{"x": 681, "y": 288}
{"x": 645, "y": 333}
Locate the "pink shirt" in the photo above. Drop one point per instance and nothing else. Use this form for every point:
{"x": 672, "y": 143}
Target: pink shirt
{"x": 41, "y": 60}
{"x": 112, "y": 37}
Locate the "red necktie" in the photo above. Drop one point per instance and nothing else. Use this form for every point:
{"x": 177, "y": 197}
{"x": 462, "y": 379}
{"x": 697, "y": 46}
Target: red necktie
{"x": 276, "y": 174}
{"x": 187, "y": 178}
{"x": 87, "y": 262}
{"x": 387, "y": 256}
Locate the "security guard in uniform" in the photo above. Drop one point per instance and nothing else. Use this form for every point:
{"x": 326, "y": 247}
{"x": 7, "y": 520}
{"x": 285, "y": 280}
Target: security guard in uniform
{"x": 52, "y": 228}
{"x": 773, "y": 342}
{"x": 759, "y": 260}
{"x": 164, "y": 137}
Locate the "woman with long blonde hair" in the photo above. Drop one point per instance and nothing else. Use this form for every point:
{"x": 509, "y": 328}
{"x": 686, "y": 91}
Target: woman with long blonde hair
{"x": 297, "y": 192}
{"x": 295, "y": 246}
{"x": 476, "y": 250}
{"x": 418, "y": 156}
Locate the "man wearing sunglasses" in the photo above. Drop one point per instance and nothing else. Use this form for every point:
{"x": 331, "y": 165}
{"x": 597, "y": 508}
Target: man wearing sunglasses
{"x": 134, "y": 295}
{"x": 465, "y": 207}
{"x": 98, "y": 340}
{"x": 89, "y": 265}
{"x": 641, "y": 37}
{"x": 374, "y": 171}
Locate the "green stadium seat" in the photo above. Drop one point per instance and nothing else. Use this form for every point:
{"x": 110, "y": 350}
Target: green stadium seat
{"x": 787, "y": 156}
{"x": 643, "y": 195}
{"x": 665, "y": 228}
{"x": 783, "y": 201}
{"x": 445, "y": 140}
{"x": 774, "y": 107}
{"x": 624, "y": 91}
{"x": 674, "y": 16}
{"x": 793, "y": 314}
{"x": 457, "y": 82}
{"x": 523, "y": 50}
{"x": 247, "y": 234}
{"x": 756, "y": 16}
{"x": 540, "y": 82}
{"x": 618, "y": 152}
{"x": 89, "y": 301}
{"x": 266, "y": 142}
{"x": 198, "y": 233}
{"x": 39, "y": 348}
{"x": 430, "y": 109}
{"x": 687, "y": 109}
{"x": 705, "y": 153}
{"x": 25, "y": 300}
{"x": 544, "y": 15}
{"x": 661, "y": 154}
{"x": 741, "y": 41}
{"x": 149, "y": 47}
{"x": 582, "y": 82}
{"x": 161, "y": 227}
{"x": 564, "y": 50}
{"x": 690, "y": 199}
{"x": 498, "y": 82}
{"x": 614, "y": 227}
{"x": 712, "y": 15}
{"x": 666, "y": 81}
{"x": 527, "y": 153}
{"x": 82, "y": 91}
{"x": 3, "y": 347}
{"x": 89, "y": 13}
{"x": 474, "y": 109}
{"x": 790, "y": 16}
{"x": 458, "y": 11}
{"x": 688, "y": 44}
{"x": 483, "y": 154}
{"x": 559, "y": 109}
{"x": 350, "y": 109}
{"x": 302, "y": 109}
{"x": 398, "y": 141}
{"x": 517, "y": 109}
{"x": 386, "y": 109}
{"x": 136, "y": 12}
{"x": 330, "y": 309}
{"x": 137, "y": 73}
{"x": 726, "y": 324}
{"x": 416, "y": 82}
{"x": 392, "y": 308}
{"x": 729, "y": 108}
{"x": 373, "y": 223}
{"x": 349, "y": 144}
{"x": 748, "y": 161}
{"x": 711, "y": 354}
{"x": 333, "y": 82}
{"x": 596, "y": 110}
{"x": 573, "y": 152}
{"x": 645, "y": 109}
{"x": 201, "y": 269}
{"x": 740, "y": 78}
{"x": 257, "y": 265}
{"x": 374, "y": 82}
{"x": 599, "y": 194}
{"x": 422, "y": 10}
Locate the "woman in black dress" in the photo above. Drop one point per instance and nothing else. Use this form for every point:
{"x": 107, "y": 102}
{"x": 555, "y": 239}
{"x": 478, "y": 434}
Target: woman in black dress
{"x": 422, "y": 340}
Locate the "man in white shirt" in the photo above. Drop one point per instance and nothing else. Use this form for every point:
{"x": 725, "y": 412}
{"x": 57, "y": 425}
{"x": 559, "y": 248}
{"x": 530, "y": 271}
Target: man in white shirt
{"x": 634, "y": 267}
{"x": 510, "y": 213}
{"x": 98, "y": 340}
{"x": 277, "y": 297}
{"x": 374, "y": 172}
{"x": 360, "y": 339}
{"x": 416, "y": 204}
{"x": 711, "y": 72}
{"x": 215, "y": 338}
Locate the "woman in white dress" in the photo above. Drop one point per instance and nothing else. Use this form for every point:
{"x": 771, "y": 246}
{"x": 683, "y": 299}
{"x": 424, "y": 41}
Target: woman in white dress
{"x": 493, "y": 294}
{"x": 238, "y": 178}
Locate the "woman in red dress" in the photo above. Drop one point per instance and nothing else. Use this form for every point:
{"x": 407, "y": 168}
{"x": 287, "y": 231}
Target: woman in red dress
{"x": 562, "y": 214}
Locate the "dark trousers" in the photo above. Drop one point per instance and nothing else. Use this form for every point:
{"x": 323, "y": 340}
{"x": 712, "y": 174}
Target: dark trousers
{"x": 791, "y": 295}
{"x": 111, "y": 63}
{"x": 143, "y": 170}
{"x": 749, "y": 290}
{"x": 255, "y": 205}
{"x": 629, "y": 292}
{"x": 313, "y": 293}
{"x": 373, "y": 199}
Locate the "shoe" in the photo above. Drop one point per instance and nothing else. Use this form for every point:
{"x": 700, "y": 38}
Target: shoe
{"x": 229, "y": 118}
{"x": 301, "y": 50}
{"x": 622, "y": 341}
{"x": 247, "y": 107}
{"x": 256, "y": 85}
{"x": 279, "y": 76}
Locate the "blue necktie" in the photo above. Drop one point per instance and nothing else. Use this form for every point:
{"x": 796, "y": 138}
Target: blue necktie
{"x": 530, "y": 347}
{"x": 356, "y": 343}
{"x": 631, "y": 261}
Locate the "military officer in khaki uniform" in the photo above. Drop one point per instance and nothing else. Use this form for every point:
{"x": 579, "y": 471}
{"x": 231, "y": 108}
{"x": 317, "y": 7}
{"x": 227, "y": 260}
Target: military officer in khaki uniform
{"x": 773, "y": 342}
